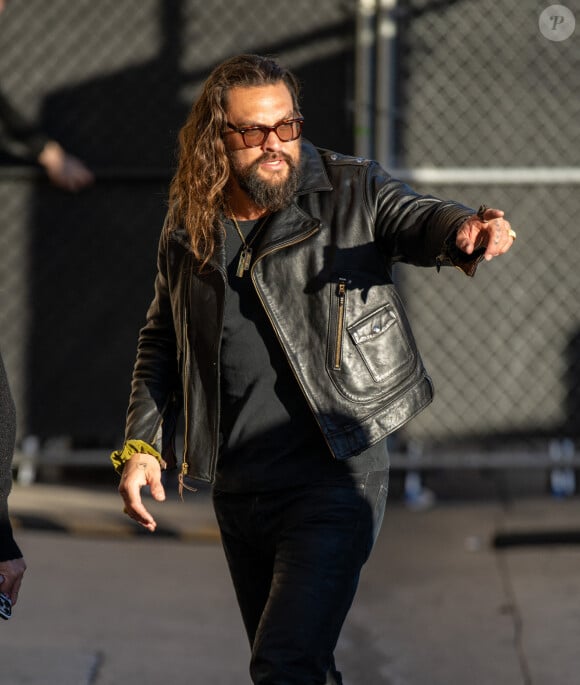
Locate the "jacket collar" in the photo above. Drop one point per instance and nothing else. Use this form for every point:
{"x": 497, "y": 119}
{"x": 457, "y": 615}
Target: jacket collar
{"x": 313, "y": 179}
{"x": 312, "y": 170}
{"x": 293, "y": 223}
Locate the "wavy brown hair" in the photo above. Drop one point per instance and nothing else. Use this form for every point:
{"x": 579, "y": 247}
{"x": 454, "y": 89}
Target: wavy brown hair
{"x": 196, "y": 193}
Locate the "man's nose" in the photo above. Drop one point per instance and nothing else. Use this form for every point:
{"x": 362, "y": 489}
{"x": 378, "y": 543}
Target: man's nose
{"x": 272, "y": 141}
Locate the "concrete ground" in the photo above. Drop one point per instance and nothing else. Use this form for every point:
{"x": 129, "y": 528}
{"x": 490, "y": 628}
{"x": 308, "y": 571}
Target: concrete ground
{"x": 478, "y": 592}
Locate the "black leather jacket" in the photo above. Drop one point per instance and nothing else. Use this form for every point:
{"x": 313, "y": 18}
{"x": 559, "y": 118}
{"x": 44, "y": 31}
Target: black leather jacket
{"x": 323, "y": 276}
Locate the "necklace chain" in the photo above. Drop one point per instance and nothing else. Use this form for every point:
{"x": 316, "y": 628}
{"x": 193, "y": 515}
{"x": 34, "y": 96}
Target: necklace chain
{"x": 246, "y": 253}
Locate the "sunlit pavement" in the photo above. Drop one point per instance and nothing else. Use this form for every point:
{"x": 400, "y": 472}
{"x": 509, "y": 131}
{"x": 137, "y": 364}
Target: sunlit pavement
{"x": 478, "y": 592}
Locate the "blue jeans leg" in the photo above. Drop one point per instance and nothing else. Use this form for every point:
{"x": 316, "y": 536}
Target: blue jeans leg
{"x": 295, "y": 558}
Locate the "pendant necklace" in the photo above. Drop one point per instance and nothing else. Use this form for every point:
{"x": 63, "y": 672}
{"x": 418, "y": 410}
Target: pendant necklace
{"x": 246, "y": 253}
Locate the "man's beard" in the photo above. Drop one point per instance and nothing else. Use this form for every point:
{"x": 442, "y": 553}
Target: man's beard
{"x": 269, "y": 195}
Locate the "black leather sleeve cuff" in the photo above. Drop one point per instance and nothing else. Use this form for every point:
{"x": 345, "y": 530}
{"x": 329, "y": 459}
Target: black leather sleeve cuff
{"x": 451, "y": 255}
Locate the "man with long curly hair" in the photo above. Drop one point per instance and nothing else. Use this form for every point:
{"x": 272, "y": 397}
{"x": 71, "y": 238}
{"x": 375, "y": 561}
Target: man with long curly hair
{"x": 276, "y": 327}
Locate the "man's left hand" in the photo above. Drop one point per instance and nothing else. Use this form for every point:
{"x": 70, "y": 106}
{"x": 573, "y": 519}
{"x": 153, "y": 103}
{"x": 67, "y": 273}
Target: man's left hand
{"x": 489, "y": 230}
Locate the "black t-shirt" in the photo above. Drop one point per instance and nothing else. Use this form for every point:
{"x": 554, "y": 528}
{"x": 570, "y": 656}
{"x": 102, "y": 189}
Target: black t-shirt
{"x": 269, "y": 436}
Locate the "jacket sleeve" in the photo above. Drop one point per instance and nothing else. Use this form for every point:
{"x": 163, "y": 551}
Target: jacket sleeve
{"x": 416, "y": 229}
{"x": 155, "y": 387}
{"x": 17, "y": 135}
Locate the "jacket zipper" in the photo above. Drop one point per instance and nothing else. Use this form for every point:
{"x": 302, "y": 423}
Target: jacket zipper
{"x": 184, "y": 464}
{"x": 341, "y": 293}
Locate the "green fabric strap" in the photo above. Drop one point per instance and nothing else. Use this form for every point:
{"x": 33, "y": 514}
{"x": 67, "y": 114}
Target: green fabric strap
{"x": 131, "y": 447}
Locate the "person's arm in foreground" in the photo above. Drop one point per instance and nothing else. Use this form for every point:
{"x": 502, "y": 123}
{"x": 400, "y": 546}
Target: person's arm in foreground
{"x": 12, "y": 564}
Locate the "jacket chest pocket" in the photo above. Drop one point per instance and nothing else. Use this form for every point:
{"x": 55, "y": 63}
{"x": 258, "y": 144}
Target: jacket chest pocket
{"x": 369, "y": 355}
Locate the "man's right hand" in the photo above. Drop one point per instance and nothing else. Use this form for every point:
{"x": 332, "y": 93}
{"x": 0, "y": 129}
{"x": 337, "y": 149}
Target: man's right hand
{"x": 141, "y": 470}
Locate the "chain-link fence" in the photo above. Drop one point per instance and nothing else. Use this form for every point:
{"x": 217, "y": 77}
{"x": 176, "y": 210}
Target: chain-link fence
{"x": 481, "y": 107}
{"x": 113, "y": 81}
{"x": 483, "y": 94}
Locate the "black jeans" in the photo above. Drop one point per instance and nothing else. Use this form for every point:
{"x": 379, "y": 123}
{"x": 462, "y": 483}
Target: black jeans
{"x": 295, "y": 558}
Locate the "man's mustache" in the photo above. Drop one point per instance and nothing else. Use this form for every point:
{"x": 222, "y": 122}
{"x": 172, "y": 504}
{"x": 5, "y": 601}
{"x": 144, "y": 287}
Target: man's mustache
{"x": 272, "y": 157}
